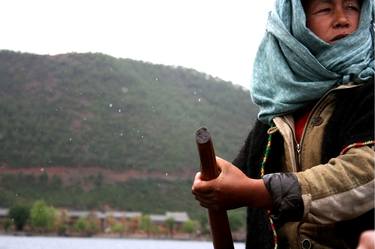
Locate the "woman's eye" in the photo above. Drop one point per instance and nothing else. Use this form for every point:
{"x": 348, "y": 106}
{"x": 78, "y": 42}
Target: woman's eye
{"x": 323, "y": 11}
{"x": 352, "y": 7}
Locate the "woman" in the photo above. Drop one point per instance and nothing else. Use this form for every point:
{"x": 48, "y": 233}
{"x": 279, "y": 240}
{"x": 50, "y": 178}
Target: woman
{"x": 313, "y": 81}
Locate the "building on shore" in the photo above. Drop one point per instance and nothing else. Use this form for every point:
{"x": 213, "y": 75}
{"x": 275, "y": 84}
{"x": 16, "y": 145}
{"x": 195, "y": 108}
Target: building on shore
{"x": 106, "y": 219}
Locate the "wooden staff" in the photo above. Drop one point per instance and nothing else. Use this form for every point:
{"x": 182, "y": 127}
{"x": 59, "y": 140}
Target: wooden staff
{"x": 220, "y": 230}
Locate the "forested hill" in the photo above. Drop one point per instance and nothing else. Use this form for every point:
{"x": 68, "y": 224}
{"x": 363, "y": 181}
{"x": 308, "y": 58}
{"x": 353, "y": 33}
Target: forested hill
{"x": 95, "y": 110}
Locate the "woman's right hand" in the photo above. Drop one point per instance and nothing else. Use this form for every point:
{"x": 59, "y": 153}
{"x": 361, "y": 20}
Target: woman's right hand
{"x": 231, "y": 189}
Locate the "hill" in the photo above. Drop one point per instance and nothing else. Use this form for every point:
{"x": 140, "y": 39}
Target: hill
{"x": 91, "y": 111}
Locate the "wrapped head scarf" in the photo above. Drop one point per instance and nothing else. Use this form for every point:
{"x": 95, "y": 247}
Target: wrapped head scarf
{"x": 294, "y": 67}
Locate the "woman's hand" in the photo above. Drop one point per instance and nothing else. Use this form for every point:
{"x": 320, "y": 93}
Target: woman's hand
{"x": 231, "y": 189}
{"x": 367, "y": 240}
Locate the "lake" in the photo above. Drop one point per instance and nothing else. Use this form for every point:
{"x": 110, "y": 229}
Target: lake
{"x": 19, "y": 242}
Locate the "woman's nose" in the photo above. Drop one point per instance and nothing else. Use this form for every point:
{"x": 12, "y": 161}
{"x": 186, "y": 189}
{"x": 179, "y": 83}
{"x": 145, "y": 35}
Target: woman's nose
{"x": 340, "y": 19}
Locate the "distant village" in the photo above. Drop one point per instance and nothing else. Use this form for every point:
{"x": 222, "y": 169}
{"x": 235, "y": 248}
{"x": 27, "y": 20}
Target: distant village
{"x": 41, "y": 219}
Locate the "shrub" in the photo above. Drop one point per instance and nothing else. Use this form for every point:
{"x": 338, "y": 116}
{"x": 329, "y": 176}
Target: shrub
{"x": 19, "y": 214}
{"x": 42, "y": 216}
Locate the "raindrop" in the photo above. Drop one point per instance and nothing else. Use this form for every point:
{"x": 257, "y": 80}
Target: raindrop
{"x": 199, "y": 100}
{"x": 124, "y": 89}
{"x": 119, "y": 110}
{"x": 121, "y": 134}
{"x": 156, "y": 79}
{"x": 110, "y": 105}
{"x": 70, "y": 139}
{"x": 195, "y": 92}
{"x": 166, "y": 173}
{"x": 41, "y": 169}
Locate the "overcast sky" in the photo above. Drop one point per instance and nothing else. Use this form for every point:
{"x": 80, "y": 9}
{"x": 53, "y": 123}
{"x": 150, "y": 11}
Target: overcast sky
{"x": 217, "y": 37}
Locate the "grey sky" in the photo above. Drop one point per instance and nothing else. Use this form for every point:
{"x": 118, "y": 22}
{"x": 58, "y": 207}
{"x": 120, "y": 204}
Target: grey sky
{"x": 217, "y": 37}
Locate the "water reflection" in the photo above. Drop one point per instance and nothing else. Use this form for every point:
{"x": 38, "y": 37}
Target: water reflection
{"x": 8, "y": 242}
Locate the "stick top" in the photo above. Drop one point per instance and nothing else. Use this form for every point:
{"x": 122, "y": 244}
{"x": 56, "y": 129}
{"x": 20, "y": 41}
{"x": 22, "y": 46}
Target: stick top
{"x": 202, "y": 135}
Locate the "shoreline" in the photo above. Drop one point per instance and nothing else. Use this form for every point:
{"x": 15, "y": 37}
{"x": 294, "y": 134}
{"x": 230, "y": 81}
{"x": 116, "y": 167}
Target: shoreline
{"x": 181, "y": 237}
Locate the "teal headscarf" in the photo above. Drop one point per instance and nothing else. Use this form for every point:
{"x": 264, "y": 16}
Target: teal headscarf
{"x": 294, "y": 67}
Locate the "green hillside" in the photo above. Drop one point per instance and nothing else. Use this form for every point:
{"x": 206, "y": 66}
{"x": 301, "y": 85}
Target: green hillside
{"x": 93, "y": 110}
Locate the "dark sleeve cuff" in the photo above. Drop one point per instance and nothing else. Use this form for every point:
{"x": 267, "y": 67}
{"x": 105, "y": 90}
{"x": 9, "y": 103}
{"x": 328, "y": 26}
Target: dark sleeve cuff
{"x": 287, "y": 203}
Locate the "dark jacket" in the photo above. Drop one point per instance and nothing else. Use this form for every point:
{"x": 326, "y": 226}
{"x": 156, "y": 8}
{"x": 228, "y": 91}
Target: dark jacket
{"x": 335, "y": 160}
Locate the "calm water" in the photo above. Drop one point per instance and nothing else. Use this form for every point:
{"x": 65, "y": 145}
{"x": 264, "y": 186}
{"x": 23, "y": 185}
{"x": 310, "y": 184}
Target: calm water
{"x": 12, "y": 242}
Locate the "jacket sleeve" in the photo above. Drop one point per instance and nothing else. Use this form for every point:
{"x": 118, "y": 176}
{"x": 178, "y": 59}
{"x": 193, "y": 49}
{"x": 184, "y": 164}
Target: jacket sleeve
{"x": 287, "y": 203}
{"x": 341, "y": 189}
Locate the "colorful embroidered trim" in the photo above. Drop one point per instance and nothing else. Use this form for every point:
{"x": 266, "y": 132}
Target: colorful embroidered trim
{"x": 356, "y": 145}
{"x": 265, "y": 157}
{"x": 275, "y": 238}
{"x": 266, "y": 154}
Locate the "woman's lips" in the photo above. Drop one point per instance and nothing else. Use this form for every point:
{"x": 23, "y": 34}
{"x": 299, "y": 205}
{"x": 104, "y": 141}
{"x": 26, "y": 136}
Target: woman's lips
{"x": 338, "y": 37}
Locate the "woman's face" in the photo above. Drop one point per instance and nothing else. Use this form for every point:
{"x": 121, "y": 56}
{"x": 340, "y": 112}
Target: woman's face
{"x": 332, "y": 20}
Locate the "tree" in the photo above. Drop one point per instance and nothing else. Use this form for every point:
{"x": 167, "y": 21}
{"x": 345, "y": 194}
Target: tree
{"x": 236, "y": 220}
{"x": 19, "y": 214}
{"x": 118, "y": 228}
{"x": 56, "y": 183}
{"x": 81, "y": 225}
{"x": 145, "y": 224}
{"x": 86, "y": 226}
{"x": 170, "y": 222}
{"x": 190, "y": 226}
{"x": 7, "y": 224}
{"x": 42, "y": 216}
{"x": 98, "y": 180}
{"x": 204, "y": 224}
{"x": 43, "y": 178}
{"x": 62, "y": 222}
{"x": 92, "y": 221}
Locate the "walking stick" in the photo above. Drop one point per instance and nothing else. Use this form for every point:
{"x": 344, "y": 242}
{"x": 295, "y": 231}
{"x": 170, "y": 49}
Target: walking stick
{"x": 220, "y": 230}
